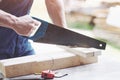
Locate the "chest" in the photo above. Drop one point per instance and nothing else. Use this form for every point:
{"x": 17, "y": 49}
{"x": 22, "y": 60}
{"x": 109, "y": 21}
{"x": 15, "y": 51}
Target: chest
{"x": 16, "y": 7}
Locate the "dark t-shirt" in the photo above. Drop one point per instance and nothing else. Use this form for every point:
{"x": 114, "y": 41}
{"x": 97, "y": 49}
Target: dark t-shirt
{"x": 12, "y": 44}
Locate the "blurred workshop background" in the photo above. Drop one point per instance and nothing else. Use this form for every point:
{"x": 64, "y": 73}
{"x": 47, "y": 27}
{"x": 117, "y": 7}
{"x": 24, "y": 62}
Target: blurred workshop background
{"x": 96, "y": 18}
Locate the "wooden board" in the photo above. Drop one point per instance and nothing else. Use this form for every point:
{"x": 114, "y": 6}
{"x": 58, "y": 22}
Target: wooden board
{"x": 25, "y": 66}
{"x": 78, "y": 17}
{"x": 84, "y": 52}
{"x": 86, "y": 55}
{"x": 37, "y": 63}
{"x": 100, "y": 13}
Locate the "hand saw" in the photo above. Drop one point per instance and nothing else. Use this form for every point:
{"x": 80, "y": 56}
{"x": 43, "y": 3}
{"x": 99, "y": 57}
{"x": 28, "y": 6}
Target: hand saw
{"x": 52, "y": 34}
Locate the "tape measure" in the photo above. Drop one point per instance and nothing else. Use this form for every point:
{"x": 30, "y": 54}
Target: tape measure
{"x": 48, "y": 74}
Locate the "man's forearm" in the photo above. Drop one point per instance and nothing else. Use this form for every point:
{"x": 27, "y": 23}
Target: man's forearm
{"x": 24, "y": 25}
{"x": 56, "y": 12}
{"x": 6, "y": 19}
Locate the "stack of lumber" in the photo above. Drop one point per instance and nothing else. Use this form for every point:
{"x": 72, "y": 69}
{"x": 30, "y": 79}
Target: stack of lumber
{"x": 64, "y": 58}
{"x": 105, "y": 31}
{"x": 87, "y": 11}
{"x": 108, "y": 33}
{"x": 100, "y": 17}
{"x": 110, "y": 3}
{"x": 78, "y": 17}
{"x": 75, "y": 12}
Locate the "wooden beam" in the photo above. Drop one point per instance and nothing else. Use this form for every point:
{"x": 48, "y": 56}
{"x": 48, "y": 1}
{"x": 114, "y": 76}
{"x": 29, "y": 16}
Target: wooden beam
{"x": 36, "y": 63}
{"x": 86, "y": 55}
{"x": 84, "y": 52}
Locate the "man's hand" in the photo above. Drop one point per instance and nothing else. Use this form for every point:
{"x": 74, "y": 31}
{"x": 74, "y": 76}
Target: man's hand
{"x": 25, "y": 25}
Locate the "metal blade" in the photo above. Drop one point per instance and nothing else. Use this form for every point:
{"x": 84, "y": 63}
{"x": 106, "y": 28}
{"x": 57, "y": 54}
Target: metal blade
{"x": 61, "y": 36}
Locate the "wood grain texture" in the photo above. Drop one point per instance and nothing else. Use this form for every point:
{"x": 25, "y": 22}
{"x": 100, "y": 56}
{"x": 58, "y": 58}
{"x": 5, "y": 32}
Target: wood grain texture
{"x": 84, "y": 52}
{"x": 37, "y": 63}
{"x": 25, "y": 66}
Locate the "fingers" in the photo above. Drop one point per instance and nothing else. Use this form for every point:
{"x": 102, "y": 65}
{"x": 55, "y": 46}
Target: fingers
{"x": 34, "y": 29}
{"x": 26, "y": 26}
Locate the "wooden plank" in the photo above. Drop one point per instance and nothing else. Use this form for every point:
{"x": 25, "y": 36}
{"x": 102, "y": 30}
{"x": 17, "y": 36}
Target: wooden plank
{"x": 86, "y": 55}
{"x": 88, "y": 60}
{"x": 18, "y": 66}
{"x": 84, "y": 52}
{"x": 24, "y": 65}
{"x": 37, "y": 63}
{"x": 108, "y": 28}
{"x": 100, "y": 21}
{"x": 59, "y": 62}
{"x": 78, "y": 17}
{"x": 100, "y": 13}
